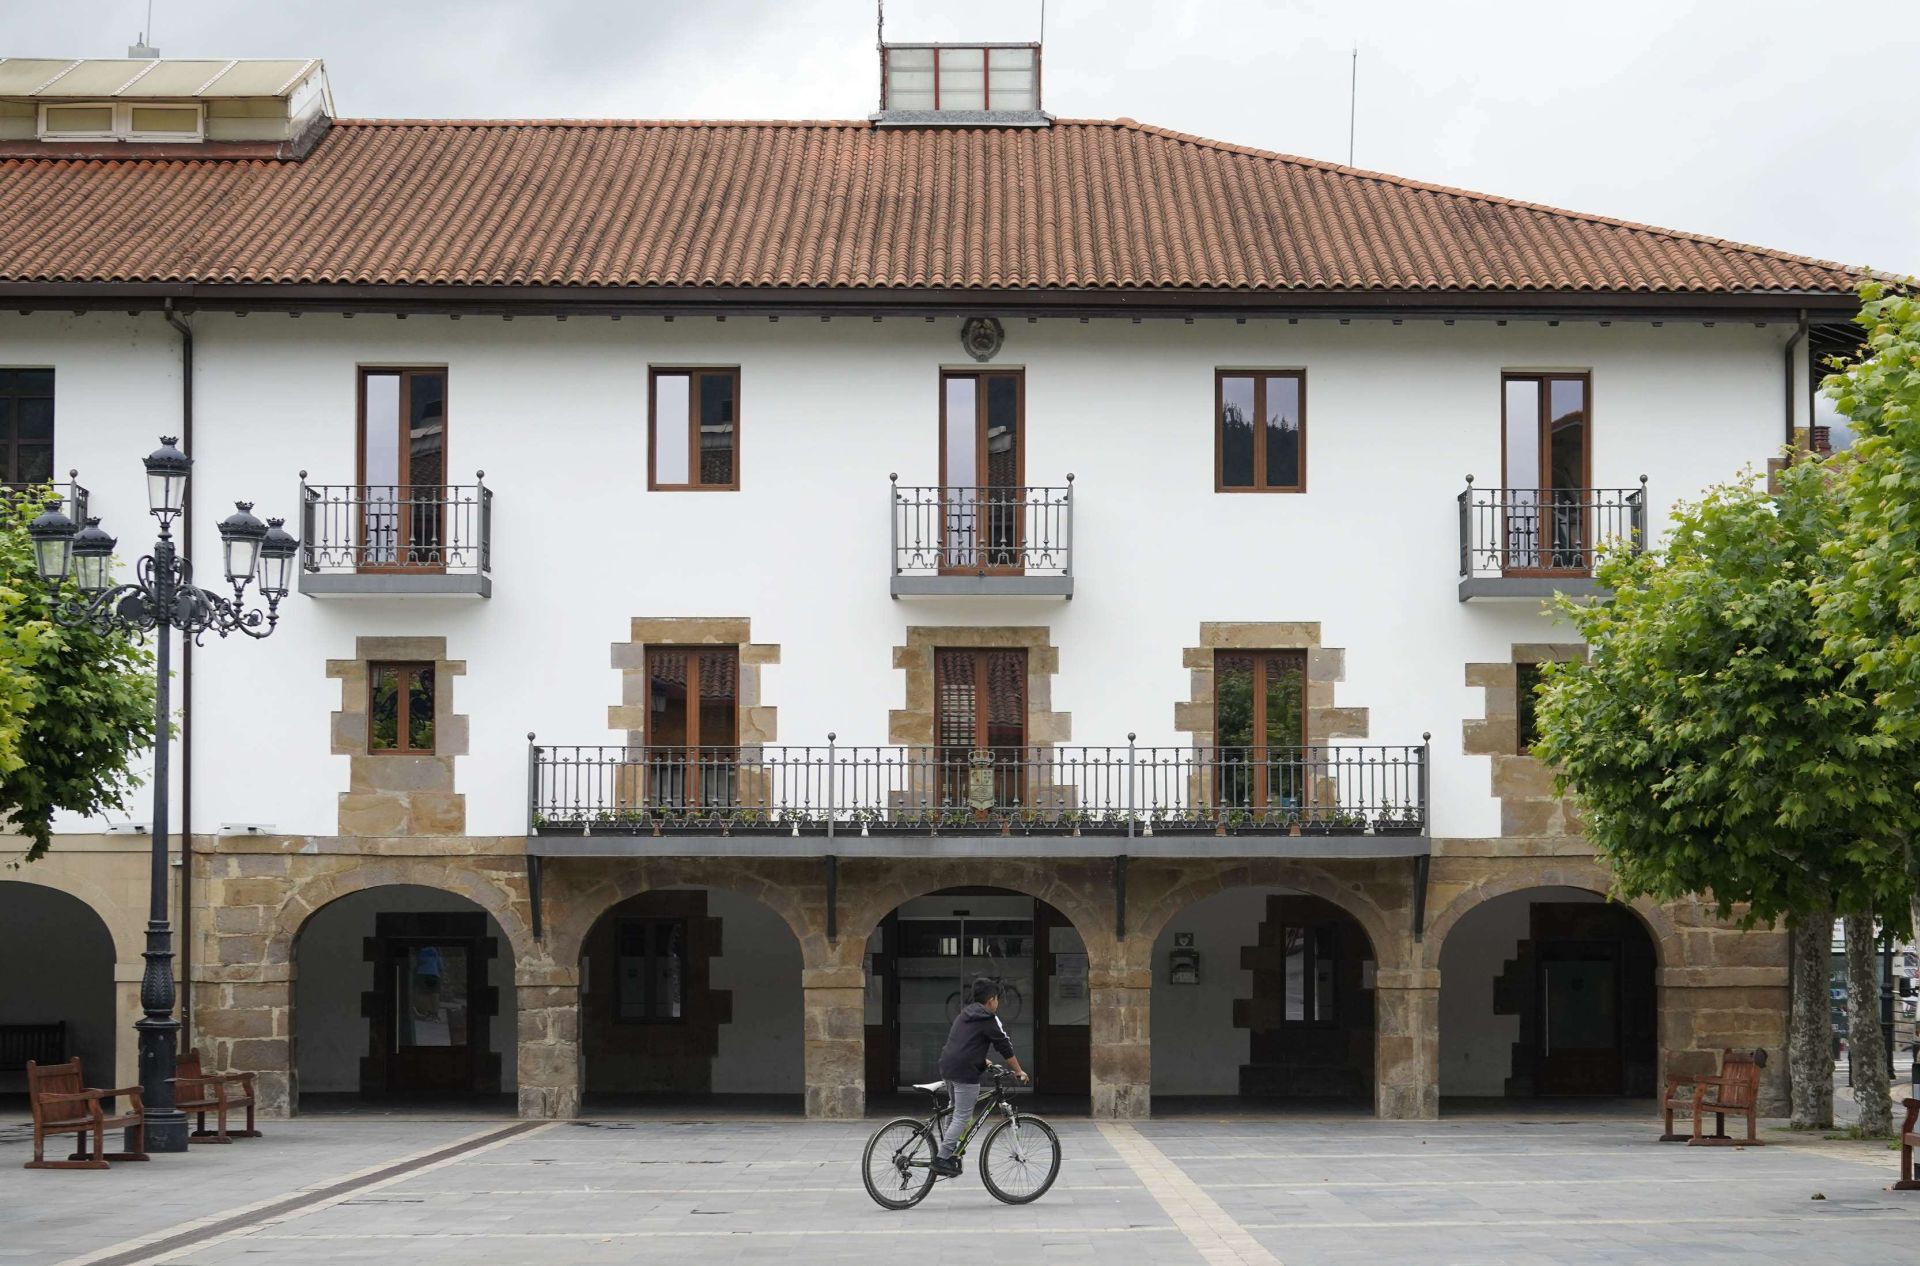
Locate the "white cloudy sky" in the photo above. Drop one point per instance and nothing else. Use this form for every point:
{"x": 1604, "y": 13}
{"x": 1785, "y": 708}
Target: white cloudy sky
{"x": 1778, "y": 122}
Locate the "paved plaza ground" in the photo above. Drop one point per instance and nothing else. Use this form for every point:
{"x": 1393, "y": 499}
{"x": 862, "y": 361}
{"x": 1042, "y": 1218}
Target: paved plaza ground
{"x": 444, "y": 1191}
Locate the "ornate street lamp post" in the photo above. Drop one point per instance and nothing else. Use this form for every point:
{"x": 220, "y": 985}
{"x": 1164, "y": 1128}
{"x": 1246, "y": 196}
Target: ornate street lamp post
{"x": 163, "y": 598}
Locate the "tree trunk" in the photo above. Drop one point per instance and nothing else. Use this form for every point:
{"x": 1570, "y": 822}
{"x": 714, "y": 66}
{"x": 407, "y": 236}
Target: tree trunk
{"x": 1866, "y": 1041}
{"x": 1810, "y": 1026}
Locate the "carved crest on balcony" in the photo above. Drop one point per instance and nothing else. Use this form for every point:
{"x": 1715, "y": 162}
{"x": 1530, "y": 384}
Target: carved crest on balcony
{"x": 982, "y": 337}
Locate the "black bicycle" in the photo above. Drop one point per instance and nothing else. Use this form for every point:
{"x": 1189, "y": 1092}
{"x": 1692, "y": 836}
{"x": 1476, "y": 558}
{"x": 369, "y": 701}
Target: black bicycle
{"x": 1018, "y": 1162}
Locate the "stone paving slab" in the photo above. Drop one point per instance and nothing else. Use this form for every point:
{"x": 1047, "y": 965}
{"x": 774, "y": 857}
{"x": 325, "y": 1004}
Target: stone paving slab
{"x": 50, "y": 1215}
{"x": 1178, "y": 1191}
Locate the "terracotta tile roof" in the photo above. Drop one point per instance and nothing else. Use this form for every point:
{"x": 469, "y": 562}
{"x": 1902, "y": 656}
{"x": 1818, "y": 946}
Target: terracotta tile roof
{"x": 1097, "y": 204}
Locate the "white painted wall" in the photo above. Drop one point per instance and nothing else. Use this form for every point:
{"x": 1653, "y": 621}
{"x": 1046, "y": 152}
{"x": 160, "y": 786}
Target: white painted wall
{"x": 760, "y": 1051}
{"x": 60, "y": 967}
{"x": 1476, "y": 1046}
{"x": 556, "y": 413}
{"x": 1196, "y": 1048}
{"x": 330, "y": 1035}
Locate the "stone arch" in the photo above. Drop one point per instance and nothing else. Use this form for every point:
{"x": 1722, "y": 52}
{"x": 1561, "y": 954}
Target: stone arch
{"x": 316, "y": 894}
{"x": 129, "y": 937}
{"x": 1146, "y": 923}
{"x": 1556, "y": 873}
{"x": 573, "y": 914}
{"x": 1061, "y": 884}
{"x": 75, "y": 984}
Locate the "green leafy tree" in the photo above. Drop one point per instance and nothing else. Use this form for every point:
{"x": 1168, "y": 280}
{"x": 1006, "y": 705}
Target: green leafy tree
{"x": 1870, "y": 606}
{"x": 76, "y": 706}
{"x": 1715, "y": 747}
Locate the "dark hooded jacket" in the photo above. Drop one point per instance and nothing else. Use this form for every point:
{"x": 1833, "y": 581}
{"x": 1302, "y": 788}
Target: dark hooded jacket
{"x": 975, "y": 1031}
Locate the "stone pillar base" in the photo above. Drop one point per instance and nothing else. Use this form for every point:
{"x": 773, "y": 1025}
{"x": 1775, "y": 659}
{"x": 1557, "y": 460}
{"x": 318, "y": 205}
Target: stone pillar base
{"x": 1122, "y": 1063}
{"x": 1407, "y": 1057}
{"x": 549, "y": 1057}
{"x": 835, "y": 1032}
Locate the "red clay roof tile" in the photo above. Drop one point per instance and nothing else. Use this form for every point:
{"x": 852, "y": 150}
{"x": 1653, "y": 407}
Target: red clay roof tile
{"x": 1083, "y": 204}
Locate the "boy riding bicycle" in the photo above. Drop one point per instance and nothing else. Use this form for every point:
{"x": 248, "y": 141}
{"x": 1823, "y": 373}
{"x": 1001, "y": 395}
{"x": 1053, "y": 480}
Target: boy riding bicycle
{"x": 976, "y": 1030}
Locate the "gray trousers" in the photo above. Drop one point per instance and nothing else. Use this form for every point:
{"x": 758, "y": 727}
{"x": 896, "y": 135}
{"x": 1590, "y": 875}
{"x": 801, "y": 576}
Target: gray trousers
{"x": 965, "y": 1095}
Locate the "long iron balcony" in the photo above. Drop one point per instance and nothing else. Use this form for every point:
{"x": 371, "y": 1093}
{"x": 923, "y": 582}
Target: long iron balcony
{"x": 963, "y": 541}
{"x": 1536, "y": 542}
{"x": 367, "y": 539}
{"x": 1339, "y": 799}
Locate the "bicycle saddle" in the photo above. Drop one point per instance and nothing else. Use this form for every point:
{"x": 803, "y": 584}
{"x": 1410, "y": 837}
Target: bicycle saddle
{"x": 931, "y": 1087}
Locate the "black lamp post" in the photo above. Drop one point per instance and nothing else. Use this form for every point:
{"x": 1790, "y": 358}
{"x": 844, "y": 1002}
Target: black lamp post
{"x": 163, "y": 598}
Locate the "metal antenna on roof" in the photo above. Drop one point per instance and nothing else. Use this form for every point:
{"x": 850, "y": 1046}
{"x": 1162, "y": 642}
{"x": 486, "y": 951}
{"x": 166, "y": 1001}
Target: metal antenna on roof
{"x": 1043, "y": 21}
{"x": 1353, "y": 97}
{"x": 144, "y": 47}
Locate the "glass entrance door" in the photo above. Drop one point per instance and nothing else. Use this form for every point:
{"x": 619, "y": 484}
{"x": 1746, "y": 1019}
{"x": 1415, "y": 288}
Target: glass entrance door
{"x": 1579, "y": 1037}
{"x": 430, "y": 1036}
{"x": 982, "y": 470}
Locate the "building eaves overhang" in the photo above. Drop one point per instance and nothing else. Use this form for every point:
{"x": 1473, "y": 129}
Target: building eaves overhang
{"x": 1819, "y": 307}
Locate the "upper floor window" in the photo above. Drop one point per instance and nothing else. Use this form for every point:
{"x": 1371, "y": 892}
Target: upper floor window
{"x": 400, "y": 709}
{"x": 26, "y": 426}
{"x": 1260, "y": 431}
{"x": 1260, "y": 727}
{"x": 693, "y": 430}
{"x": 121, "y": 121}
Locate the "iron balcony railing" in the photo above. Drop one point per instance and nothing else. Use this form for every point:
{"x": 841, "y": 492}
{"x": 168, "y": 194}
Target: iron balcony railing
{"x": 829, "y": 790}
{"x": 1547, "y": 531}
{"x": 982, "y": 531}
{"x": 396, "y": 527}
{"x": 68, "y": 496}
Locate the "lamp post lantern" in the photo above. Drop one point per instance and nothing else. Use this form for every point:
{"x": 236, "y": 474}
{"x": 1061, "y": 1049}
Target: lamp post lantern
{"x": 162, "y": 600}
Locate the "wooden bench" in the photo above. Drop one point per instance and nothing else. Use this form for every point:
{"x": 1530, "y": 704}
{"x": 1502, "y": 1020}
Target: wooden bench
{"x": 219, "y": 1093}
{"x": 1909, "y": 1139}
{"x": 1734, "y": 1091}
{"x": 41, "y": 1043}
{"x": 63, "y": 1103}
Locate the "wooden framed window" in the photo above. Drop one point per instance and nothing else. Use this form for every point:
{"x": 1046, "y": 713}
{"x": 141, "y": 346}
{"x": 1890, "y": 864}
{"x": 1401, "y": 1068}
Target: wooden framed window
{"x": 693, "y": 725}
{"x": 983, "y": 464}
{"x": 1260, "y": 727}
{"x": 1309, "y": 992}
{"x": 400, "y": 701}
{"x": 1260, "y": 430}
{"x": 26, "y": 426}
{"x": 693, "y": 430}
{"x": 650, "y": 971}
{"x": 980, "y": 704}
{"x": 1546, "y": 449}
{"x": 1526, "y": 678}
{"x": 403, "y": 468}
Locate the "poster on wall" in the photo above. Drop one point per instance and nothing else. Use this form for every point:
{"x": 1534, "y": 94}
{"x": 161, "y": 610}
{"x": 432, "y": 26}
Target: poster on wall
{"x": 1067, "y": 993}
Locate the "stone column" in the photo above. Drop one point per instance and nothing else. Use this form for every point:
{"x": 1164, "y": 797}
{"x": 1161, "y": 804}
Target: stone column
{"x": 243, "y": 1022}
{"x": 835, "y": 1032}
{"x": 1406, "y": 1016}
{"x": 549, "y": 1052}
{"x": 1121, "y": 998}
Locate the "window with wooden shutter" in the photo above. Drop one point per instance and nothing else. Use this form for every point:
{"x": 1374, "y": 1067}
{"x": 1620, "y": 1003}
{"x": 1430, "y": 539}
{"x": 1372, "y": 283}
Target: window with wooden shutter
{"x": 980, "y": 704}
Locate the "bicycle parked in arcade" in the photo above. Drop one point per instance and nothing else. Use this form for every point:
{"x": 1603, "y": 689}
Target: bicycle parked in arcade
{"x": 1019, "y": 1159}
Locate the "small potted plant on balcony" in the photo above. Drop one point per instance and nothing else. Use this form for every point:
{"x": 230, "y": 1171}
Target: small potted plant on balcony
{"x": 1397, "y": 819}
{"x": 1345, "y": 822}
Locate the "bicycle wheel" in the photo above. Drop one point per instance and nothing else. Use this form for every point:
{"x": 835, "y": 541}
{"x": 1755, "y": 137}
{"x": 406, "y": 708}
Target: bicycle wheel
{"x": 1011, "y": 1001}
{"x": 897, "y": 1167}
{"x": 1020, "y": 1160}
